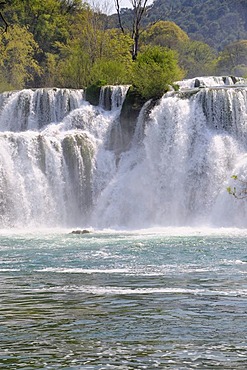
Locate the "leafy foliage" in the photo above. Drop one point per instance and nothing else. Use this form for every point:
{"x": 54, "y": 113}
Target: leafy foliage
{"x": 68, "y": 43}
{"x": 234, "y": 57}
{"x": 164, "y": 33}
{"x": 93, "y": 56}
{"x": 217, "y": 23}
{"x": 17, "y": 65}
{"x": 197, "y": 58}
{"x": 154, "y": 69}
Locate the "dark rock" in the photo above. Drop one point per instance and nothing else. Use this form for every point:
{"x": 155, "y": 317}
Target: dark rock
{"x": 197, "y": 83}
{"x": 234, "y": 79}
{"x": 128, "y": 118}
{"x": 92, "y": 94}
{"x": 80, "y": 232}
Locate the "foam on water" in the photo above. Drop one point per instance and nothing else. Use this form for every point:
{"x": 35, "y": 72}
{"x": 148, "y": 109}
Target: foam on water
{"x": 96, "y": 290}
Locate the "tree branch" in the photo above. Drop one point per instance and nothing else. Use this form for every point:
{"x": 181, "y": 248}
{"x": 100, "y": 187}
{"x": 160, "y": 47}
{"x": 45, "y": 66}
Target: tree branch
{"x": 2, "y": 5}
{"x": 117, "y": 6}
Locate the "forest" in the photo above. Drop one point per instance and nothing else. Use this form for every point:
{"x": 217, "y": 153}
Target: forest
{"x": 68, "y": 43}
{"x": 216, "y": 22}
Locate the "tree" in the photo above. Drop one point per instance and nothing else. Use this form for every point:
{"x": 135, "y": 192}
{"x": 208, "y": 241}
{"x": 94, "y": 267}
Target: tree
{"x": 5, "y": 24}
{"x": 93, "y": 49}
{"x": 77, "y": 54}
{"x": 164, "y": 33}
{"x": 74, "y": 66}
{"x": 232, "y": 57}
{"x": 155, "y": 69}
{"x": 139, "y": 9}
{"x": 196, "y": 58}
{"x": 114, "y": 64}
{"x": 17, "y": 65}
{"x": 48, "y": 21}
{"x": 111, "y": 60}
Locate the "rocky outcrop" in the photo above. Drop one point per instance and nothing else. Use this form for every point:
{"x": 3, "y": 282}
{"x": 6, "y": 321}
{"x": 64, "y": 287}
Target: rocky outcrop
{"x": 78, "y": 232}
{"x": 128, "y": 118}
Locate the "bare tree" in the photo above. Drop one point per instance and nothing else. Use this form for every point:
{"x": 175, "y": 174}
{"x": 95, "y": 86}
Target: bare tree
{"x": 139, "y": 10}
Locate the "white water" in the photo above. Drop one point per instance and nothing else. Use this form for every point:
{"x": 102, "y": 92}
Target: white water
{"x": 61, "y": 169}
{"x": 210, "y": 81}
{"x": 34, "y": 109}
{"x": 112, "y": 97}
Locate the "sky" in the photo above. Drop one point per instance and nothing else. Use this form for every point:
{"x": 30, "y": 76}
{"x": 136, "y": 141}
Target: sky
{"x": 123, "y": 4}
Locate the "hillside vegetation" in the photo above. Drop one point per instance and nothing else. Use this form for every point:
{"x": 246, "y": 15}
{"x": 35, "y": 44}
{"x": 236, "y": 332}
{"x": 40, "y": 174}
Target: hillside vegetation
{"x": 66, "y": 43}
{"x": 216, "y": 22}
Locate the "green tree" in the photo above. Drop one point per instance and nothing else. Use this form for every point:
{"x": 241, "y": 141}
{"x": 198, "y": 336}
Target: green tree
{"x": 110, "y": 71}
{"x": 164, "y": 33}
{"x": 50, "y": 24}
{"x": 74, "y": 66}
{"x": 233, "y": 58}
{"x": 18, "y": 66}
{"x": 92, "y": 51}
{"x": 50, "y": 74}
{"x": 115, "y": 63}
{"x": 154, "y": 70}
{"x": 197, "y": 58}
{"x": 77, "y": 55}
{"x": 44, "y": 19}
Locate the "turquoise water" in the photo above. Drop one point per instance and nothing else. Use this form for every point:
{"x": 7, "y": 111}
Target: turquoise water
{"x": 170, "y": 299}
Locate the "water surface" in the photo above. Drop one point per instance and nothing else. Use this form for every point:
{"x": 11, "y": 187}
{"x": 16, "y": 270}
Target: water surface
{"x": 165, "y": 299}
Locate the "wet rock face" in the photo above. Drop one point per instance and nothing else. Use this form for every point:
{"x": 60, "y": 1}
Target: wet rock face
{"x": 129, "y": 114}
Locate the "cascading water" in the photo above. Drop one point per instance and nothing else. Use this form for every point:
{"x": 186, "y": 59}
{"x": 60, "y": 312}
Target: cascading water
{"x": 60, "y": 164}
{"x": 178, "y": 173}
{"x": 34, "y": 109}
{"x": 49, "y": 141}
{"x": 112, "y": 97}
{"x": 211, "y": 81}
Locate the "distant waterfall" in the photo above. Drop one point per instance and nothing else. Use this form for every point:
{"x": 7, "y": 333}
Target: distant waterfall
{"x": 57, "y": 167}
{"x": 211, "y": 81}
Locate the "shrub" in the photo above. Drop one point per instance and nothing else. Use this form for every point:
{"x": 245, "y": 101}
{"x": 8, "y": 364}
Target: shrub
{"x": 154, "y": 70}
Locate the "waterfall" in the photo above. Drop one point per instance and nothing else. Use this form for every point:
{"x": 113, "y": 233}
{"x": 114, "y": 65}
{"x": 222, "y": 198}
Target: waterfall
{"x": 211, "y": 81}
{"x": 44, "y": 179}
{"x": 33, "y": 109}
{"x": 49, "y": 140}
{"x": 179, "y": 173}
{"x": 57, "y": 167}
{"x": 112, "y": 97}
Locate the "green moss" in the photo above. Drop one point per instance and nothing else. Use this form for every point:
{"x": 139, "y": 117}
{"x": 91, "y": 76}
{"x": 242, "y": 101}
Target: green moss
{"x": 176, "y": 87}
{"x": 134, "y": 100}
